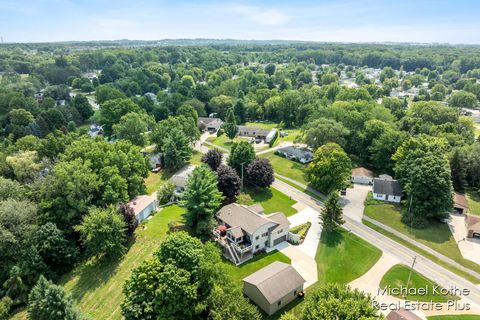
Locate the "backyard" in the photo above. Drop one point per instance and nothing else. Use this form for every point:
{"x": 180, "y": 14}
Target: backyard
{"x": 292, "y": 133}
{"x": 436, "y": 236}
{"x": 397, "y": 277}
{"x": 288, "y": 168}
{"x": 271, "y": 200}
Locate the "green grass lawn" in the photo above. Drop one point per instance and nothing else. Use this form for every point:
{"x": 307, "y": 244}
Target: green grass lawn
{"x": 258, "y": 262}
{"x": 474, "y": 202}
{"x": 343, "y": 257}
{"x": 456, "y": 317}
{"x": 397, "y": 277}
{"x": 223, "y": 141}
{"x": 436, "y": 236}
{"x": 288, "y": 168}
{"x": 97, "y": 289}
{"x": 196, "y": 158}
{"x": 292, "y": 133}
{"x": 271, "y": 199}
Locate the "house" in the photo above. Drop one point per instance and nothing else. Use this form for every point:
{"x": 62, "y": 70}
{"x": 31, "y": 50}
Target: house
{"x": 472, "y": 223}
{"x": 254, "y": 132}
{"x": 387, "y": 190}
{"x": 143, "y": 206}
{"x": 95, "y": 130}
{"x": 180, "y": 179}
{"x": 303, "y": 155}
{"x": 274, "y": 286}
{"x": 460, "y": 203}
{"x": 385, "y": 177}
{"x": 362, "y": 175}
{"x": 244, "y": 231}
{"x": 402, "y": 314}
{"x": 209, "y": 124}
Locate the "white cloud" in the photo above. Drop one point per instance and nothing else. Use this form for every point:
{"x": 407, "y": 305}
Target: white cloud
{"x": 261, "y": 16}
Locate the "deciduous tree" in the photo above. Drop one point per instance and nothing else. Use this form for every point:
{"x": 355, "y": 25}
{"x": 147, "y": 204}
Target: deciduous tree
{"x": 260, "y": 173}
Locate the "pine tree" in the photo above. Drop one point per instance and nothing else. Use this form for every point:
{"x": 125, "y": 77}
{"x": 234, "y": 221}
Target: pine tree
{"x": 230, "y": 125}
{"x": 48, "y": 301}
{"x": 331, "y": 215}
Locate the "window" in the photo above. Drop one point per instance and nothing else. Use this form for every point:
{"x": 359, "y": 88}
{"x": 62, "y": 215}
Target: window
{"x": 256, "y": 238}
{"x": 265, "y": 234}
{"x": 280, "y": 231}
{"x": 280, "y": 302}
{"x": 256, "y": 247}
{"x": 295, "y": 292}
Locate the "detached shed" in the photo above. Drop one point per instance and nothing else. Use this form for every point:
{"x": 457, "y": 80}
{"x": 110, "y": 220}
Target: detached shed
{"x": 143, "y": 206}
{"x": 460, "y": 203}
{"x": 273, "y": 286}
{"x": 472, "y": 223}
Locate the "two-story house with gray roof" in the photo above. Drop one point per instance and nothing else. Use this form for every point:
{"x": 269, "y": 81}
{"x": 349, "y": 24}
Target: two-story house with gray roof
{"x": 243, "y": 231}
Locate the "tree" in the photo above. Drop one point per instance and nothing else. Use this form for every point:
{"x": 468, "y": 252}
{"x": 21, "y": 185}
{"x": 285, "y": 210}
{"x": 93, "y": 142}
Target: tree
{"x": 165, "y": 192}
{"x": 177, "y": 149}
{"x": 228, "y": 302}
{"x": 229, "y": 182}
{"x": 81, "y": 103}
{"x": 329, "y": 169}
{"x": 48, "y": 301}
{"x": 384, "y": 147}
{"x": 270, "y": 69}
{"x": 462, "y": 99}
{"x": 321, "y": 131}
{"x": 130, "y": 219}
{"x": 230, "y": 125}
{"x": 260, "y": 173}
{"x": 240, "y": 110}
{"x": 331, "y": 215}
{"x": 241, "y": 155}
{"x": 424, "y": 172}
{"x": 104, "y": 93}
{"x": 113, "y": 110}
{"x": 102, "y": 232}
{"x": 202, "y": 199}
{"x": 335, "y": 301}
{"x": 24, "y": 165}
{"x": 213, "y": 158}
{"x": 459, "y": 169}
{"x": 133, "y": 127}
{"x": 11, "y": 189}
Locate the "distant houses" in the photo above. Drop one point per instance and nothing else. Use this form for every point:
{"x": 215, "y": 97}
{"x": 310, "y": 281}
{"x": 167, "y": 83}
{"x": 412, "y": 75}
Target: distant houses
{"x": 143, "y": 206}
{"x": 257, "y": 133}
{"x": 387, "y": 190}
{"x": 274, "y": 286}
{"x": 303, "y": 155}
{"x": 209, "y": 124}
{"x": 180, "y": 180}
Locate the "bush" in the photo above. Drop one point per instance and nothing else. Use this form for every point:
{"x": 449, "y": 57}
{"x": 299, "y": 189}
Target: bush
{"x": 5, "y": 305}
{"x": 220, "y": 132}
{"x": 165, "y": 193}
{"x": 301, "y": 230}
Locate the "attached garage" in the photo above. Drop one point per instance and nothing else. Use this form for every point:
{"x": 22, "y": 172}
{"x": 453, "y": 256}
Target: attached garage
{"x": 472, "y": 223}
{"x": 280, "y": 240}
{"x": 460, "y": 203}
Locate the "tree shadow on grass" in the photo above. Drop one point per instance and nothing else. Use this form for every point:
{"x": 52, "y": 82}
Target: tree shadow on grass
{"x": 331, "y": 239}
{"x": 259, "y": 194}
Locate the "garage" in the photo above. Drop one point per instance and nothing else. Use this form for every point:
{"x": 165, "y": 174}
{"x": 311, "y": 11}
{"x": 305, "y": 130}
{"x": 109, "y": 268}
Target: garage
{"x": 472, "y": 223}
{"x": 280, "y": 240}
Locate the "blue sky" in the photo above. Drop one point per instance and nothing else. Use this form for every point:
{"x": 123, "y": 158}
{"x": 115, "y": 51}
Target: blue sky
{"x": 322, "y": 20}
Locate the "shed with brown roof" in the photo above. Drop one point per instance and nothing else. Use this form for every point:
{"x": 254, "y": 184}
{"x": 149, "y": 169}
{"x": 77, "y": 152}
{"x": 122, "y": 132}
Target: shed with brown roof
{"x": 362, "y": 175}
{"x": 472, "y": 223}
{"x": 460, "y": 203}
{"x": 273, "y": 286}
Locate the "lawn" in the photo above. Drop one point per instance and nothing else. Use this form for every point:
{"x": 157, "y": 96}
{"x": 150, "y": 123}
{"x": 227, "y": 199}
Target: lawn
{"x": 288, "y": 168}
{"x": 224, "y": 142}
{"x": 474, "y": 202}
{"x": 258, "y": 262}
{"x": 397, "y": 277}
{"x": 97, "y": 289}
{"x": 343, "y": 257}
{"x": 271, "y": 199}
{"x": 436, "y": 236}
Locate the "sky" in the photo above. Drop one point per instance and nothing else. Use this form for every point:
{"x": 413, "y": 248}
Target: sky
{"x": 424, "y": 21}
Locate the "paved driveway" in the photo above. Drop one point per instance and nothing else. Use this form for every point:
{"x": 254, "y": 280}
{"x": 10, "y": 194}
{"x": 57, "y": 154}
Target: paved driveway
{"x": 353, "y": 202}
{"x": 310, "y": 243}
{"x": 470, "y": 248}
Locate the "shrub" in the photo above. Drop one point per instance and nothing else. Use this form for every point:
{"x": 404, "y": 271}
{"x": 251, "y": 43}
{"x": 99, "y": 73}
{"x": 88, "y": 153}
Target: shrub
{"x": 165, "y": 192}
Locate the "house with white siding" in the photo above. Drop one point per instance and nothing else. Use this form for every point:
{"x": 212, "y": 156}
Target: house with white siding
{"x": 387, "y": 190}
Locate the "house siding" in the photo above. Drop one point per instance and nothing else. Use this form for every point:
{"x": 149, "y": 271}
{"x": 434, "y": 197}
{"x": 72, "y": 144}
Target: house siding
{"x": 383, "y": 197}
{"x": 362, "y": 179}
{"x": 145, "y": 213}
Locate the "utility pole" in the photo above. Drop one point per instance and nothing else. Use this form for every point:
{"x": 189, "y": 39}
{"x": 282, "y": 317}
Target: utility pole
{"x": 410, "y": 211}
{"x": 411, "y": 270}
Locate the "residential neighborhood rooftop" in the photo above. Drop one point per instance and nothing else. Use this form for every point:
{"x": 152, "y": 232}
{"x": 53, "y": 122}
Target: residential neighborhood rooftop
{"x": 139, "y": 203}
{"x": 460, "y": 199}
{"x": 275, "y": 280}
{"x": 391, "y": 187}
{"x": 361, "y": 171}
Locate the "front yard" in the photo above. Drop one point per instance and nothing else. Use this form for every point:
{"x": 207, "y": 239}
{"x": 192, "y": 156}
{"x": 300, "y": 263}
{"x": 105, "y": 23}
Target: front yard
{"x": 288, "y": 168}
{"x": 474, "y": 202}
{"x": 271, "y": 200}
{"x": 397, "y": 277}
{"x": 436, "y": 236}
{"x": 223, "y": 141}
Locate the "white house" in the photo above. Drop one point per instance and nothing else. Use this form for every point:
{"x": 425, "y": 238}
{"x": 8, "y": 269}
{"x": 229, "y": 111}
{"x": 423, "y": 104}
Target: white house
{"x": 143, "y": 206}
{"x": 387, "y": 190}
{"x": 362, "y": 175}
{"x": 181, "y": 177}
{"x": 303, "y": 155}
{"x": 243, "y": 231}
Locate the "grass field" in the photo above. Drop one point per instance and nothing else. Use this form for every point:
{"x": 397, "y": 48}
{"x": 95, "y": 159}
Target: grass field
{"x": 436, "y": 236}
{"x": 456, "y": 317}
{"x": 271, "y": 199}
{"x": 223, "y": 141}
{"x": 249, "y": 267}
{"x": 97, "y": 289}
{"x": 474, "y": 202}
{"x": 397, "y": 277}
{"x": 288, "y": 168}
{"x": 343, "y": 257}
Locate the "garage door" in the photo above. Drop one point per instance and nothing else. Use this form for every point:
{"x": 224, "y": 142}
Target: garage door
{"x": 280, "y": 240}
{"x": 476, "y": 235}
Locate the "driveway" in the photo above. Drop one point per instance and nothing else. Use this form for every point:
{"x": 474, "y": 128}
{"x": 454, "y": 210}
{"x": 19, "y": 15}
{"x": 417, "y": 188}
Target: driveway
{"x": 469, "y": 248}
{"x": 310, "y": 243}
{"x": 353, "y": 202}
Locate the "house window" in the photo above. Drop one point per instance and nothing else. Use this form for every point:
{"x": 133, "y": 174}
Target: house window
{"x": 256, "y": 247}
{"x": 280, "y": 302}
{"x": 295, "y": 292}
{"x": 256, "y": 238}
{"x": 265, "y": 234}
{"x": 280, "y": 231}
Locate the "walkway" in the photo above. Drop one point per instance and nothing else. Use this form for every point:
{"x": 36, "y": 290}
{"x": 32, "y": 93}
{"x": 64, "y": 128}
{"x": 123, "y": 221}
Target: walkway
{"x": 310, "y": 243}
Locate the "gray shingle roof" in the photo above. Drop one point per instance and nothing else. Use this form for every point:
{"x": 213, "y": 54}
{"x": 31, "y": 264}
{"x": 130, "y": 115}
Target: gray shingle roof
{"x": 236, "y": 215}
{"x": 390, "y": 187}
{"x": 275, "y": 280}
{"x": 279, "y": 218}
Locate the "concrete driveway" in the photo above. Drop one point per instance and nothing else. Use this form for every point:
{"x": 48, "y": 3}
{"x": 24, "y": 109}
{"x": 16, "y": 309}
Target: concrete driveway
{"x": 310, "y": 243}
{"x": 469, "y": 248}
{"x": 353, "y": 202}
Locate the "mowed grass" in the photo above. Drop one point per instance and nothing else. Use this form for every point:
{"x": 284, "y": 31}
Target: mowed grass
{"x": 224, "y": 142}
{"x": 288, "y": 168}
{"x": 456, "y": 317}
{"x": 255, "y": 264}
{"x": 270, "y": 198}
{"x": 436, "y": 236}
{"x": 397, "y": 277}
{"x": 343, "y": 257}
{"x": 97, "y": 289}
{"x": 473, "y": 198}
